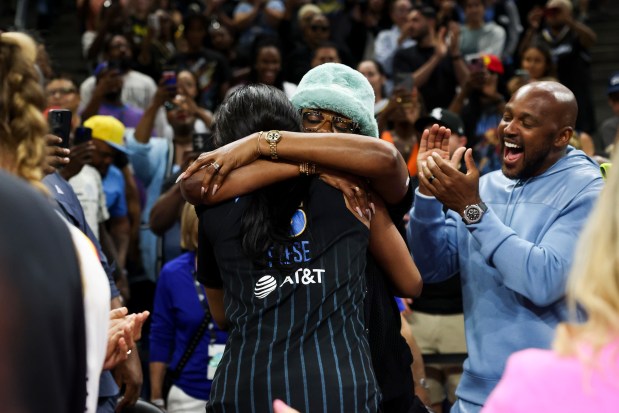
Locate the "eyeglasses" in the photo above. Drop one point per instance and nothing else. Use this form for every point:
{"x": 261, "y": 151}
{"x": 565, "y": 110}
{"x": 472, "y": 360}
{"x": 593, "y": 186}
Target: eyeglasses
{"x": 62, "y": 91}
{"x": 313, "y": 120}
{"x": 319, "y": 28}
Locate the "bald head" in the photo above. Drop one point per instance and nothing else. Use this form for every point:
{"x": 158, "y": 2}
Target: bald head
{"x": 559, "y": 100}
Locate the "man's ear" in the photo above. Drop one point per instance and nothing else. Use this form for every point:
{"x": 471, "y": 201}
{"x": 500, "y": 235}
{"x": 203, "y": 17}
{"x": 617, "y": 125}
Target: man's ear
{"x": 564, "y": 136}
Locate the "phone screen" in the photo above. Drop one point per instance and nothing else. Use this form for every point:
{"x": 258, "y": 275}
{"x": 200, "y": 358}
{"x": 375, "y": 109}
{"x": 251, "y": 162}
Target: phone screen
{"x": 201, "y": 142}
{"x": 403, "y": 80}
{"x": 59, "y": 121}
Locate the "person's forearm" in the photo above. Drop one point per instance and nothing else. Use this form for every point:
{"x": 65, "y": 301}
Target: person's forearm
{"x": 166, "y": 210}
{"x": 431, "y": 239}
{"x": 586, "y": 36}
{"x": 97, "y": 45}
{"x": 119, "y": 230}
{"x": 392, "y": 255}
{"x": 239, "y": 182}
{"x": 93, "y": 106}
{"x": 157, "y": 373}
{"x": 422, "y": 75}
{"x": 243, "y": 20}
{"x": 461, "y": 70}
{"x": 359, "y": 155}
{"x": 147, "y": 123}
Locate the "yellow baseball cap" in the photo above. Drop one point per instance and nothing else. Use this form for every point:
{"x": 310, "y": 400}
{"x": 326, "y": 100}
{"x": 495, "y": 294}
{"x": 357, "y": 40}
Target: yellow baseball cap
{"x": 108, "y": 129}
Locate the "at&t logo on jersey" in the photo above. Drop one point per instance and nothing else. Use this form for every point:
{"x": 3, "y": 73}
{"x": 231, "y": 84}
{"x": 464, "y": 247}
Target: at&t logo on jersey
{"x": 304, "y": 276}
{"x": 265, "y": 286}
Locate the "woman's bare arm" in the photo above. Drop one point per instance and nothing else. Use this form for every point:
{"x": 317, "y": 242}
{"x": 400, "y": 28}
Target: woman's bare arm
{"x": 215, "y": 298}
{"x": 372, "y": 158}
{"x": 392, "y": 255}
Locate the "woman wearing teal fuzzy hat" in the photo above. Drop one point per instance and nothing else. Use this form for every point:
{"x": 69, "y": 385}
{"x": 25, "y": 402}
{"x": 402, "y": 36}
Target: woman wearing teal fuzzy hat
{"x": 339, "y": 89}
{"x": 333, "y": 98}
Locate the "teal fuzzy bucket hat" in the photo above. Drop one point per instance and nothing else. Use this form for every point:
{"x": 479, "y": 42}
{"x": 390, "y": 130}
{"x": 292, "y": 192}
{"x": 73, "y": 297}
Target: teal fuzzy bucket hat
{"x": 340, "y": 89}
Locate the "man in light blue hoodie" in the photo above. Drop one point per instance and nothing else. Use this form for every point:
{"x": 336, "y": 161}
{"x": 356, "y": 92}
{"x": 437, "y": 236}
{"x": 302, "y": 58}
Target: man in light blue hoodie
{"x": 511, "y": 234}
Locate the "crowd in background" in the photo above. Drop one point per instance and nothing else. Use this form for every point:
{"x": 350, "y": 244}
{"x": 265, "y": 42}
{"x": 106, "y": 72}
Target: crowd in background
{"x": 160, "y": 69}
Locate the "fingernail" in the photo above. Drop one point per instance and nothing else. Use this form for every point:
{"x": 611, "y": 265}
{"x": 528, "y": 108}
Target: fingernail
{"x": 202, "y": 192}
{"x": 215, "y": 188}
{"x": 179, "y": 178}
{"x": 373, "y": 208}
{"x": 368, "y": 213}
{"x": 359, "y": 212}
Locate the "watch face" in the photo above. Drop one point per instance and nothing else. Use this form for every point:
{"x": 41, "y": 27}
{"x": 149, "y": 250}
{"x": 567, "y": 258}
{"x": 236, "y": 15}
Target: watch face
{"x": 473, "y": 214}
{"x": 273, "y": 136}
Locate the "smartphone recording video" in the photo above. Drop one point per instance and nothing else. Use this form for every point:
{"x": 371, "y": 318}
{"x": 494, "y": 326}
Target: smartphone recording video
{"x": 59, "y": 121}
{"x": 404, "y": 80}
{"x": 476, "y": 65}
{"x": 202, "y": 142}
{"x": 82, "y": 134}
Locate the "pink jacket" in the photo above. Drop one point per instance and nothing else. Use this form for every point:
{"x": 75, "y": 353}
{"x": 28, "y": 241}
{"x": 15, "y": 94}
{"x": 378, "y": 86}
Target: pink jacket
{"x": 542, "y": 381}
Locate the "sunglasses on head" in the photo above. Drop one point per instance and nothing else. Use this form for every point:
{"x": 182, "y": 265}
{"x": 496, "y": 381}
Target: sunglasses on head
{"x": 314, "y": 119}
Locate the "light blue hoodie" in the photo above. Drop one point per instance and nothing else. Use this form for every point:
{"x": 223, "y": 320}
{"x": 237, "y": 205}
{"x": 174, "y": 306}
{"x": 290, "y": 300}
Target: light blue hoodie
{"x": 514, "y": 263}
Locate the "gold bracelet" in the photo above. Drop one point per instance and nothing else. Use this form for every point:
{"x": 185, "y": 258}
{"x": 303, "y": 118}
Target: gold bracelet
{"x": 307, "y": 168}
{"x": 259, "y": 136}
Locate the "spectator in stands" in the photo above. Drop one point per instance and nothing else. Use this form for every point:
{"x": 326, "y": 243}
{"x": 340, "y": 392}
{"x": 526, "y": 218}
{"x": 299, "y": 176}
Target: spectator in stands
{"x": 22, "y": 152}
{"x": 42, "y": 294}
{"x": 137, "y": 88}
{"x": 570, "y": 42}
{"x": 397, "y": 124}
{"x": 223, "y": 40}
{"x": 105, "y": 18}
{"x": 137, "y": 17}
{"x": 437, "y": 68}
{"x": 389, "y": 41}
{"x": 325, "y": 53}
{"x": 257, "y": 17}
{"x": 316, "y": 33}
{"x": 609, "y": 131}
{"x": 155, "y": 159}
{"x": 179, "y": 311}
{"x": 480, "y": 104}
{"x": 266, "y": 66}
{"x": 505, "y": 14}
{"x": 536, "y": 64}
{"x": 62, "y": 93}
{"x": 478, "y": 36}
{"x": 106, "y": 98}
{"x": 107, "y": 134}
{"x": 375, "y": 74}
{"x": 582, "y": 371}
{"x": 296, "y": 19}
{"x": 367, "y": 19}
{"x": 210, "y": 67}
{"x": 514, "y": 253}
{"x": 158, "y": 45}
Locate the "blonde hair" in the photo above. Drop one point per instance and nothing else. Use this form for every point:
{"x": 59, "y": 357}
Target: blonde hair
{"x": 594, "y": 279}
{"x": 189, "y": 228}
{"x": 22, "y": 125}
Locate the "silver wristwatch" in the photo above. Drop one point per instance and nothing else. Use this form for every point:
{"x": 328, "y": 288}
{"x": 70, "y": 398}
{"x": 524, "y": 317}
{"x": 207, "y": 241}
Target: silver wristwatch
{"x": 473, "y": 213}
